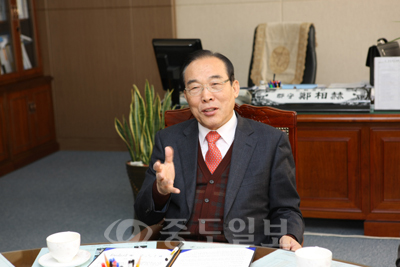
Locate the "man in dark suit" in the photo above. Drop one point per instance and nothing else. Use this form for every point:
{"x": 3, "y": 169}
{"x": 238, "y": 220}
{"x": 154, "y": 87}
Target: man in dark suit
{"x": 220, "y": 177}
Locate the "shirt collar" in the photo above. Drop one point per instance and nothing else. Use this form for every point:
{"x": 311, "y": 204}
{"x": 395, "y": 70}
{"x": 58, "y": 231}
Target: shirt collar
{"x": 226, "y": 131}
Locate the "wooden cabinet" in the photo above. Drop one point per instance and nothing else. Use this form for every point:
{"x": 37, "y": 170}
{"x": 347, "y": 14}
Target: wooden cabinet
{"x": 329, "y": 173}
{"x": 349, "y": 168}
{"x": 27, "y": 130}
{"x": 31, "y": 118}
{"x": 3, "y": 147}
{"x": 27, "y": 123}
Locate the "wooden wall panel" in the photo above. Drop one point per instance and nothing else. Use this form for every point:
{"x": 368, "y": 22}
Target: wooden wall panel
{"x": 95, "y": 51}
{"x": 329, "y": 170}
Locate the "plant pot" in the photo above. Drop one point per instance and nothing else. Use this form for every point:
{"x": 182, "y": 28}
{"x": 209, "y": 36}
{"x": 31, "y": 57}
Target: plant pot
{"x": 136, "y": 176}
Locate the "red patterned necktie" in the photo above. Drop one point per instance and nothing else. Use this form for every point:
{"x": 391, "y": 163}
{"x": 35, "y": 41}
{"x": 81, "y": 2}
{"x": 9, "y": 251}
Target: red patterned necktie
{"x": 213, "y": 155}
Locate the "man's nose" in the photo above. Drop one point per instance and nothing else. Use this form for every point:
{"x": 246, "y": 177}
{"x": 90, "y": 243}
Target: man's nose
{"x": 206, "y": 95}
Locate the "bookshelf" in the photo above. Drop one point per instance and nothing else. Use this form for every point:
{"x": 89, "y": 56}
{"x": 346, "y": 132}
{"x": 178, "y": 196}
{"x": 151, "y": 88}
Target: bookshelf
{"x": 27, "y": 130}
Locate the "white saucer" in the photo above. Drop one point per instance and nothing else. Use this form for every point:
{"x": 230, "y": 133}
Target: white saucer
{"x": 48, "y": 261}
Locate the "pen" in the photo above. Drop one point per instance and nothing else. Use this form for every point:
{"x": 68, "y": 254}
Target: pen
{"x": 178, "y": 247}
{"x": 174, "y": 253}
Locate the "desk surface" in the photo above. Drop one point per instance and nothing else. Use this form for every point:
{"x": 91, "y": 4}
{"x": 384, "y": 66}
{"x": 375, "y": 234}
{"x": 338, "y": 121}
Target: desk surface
{"x": 25, "y": 258}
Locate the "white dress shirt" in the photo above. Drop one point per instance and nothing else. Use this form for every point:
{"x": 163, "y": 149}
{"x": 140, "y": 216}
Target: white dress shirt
{"x": 227, "y": 133}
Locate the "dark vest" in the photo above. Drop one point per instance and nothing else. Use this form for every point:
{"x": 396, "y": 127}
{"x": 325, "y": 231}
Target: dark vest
{"x": 207, "y": 219}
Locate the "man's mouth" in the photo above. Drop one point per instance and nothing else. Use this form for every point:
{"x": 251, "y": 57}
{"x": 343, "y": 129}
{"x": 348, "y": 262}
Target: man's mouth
{"x": 209, "y": 110}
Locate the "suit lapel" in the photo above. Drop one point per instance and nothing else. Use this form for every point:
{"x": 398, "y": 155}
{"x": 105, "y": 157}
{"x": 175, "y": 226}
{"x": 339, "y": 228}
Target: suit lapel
{"x": 243, "y": 147}
{"x": 188, "y": 156}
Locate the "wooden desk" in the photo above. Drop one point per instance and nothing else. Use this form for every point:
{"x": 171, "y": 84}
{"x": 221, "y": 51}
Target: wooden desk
{"x": 349, "y": 168}
{"x": 25, "y": 258}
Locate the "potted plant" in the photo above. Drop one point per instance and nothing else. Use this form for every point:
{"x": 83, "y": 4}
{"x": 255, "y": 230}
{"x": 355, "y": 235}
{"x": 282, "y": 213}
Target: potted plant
{"x": 146, "y": 117}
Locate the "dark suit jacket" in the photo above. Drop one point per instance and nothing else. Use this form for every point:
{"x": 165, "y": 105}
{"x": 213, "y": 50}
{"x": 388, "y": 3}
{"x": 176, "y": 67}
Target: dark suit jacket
{"x": 261, "y": 189}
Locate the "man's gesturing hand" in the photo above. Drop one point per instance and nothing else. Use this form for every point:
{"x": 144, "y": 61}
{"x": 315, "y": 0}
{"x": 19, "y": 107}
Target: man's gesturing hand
{"x": 165, "y": 173}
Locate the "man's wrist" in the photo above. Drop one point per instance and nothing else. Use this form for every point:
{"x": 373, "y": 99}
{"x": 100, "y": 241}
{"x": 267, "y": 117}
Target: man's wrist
{"x": 159, "y": 199}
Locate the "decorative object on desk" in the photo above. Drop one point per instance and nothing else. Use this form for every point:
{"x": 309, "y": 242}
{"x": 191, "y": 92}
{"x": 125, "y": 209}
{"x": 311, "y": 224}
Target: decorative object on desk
{"x": 313, "y": 257}
{"x": 146, "y": 117}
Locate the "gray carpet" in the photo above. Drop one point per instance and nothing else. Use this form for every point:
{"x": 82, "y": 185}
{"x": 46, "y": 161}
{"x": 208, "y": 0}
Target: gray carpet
{"x": 89, "y": 192}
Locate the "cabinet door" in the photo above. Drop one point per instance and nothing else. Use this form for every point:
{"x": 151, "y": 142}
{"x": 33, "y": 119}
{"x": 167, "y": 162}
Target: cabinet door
{"x": 20, "y": 108}
{"x": 31, "y": 118}
{"x": 3, "y": 147}
{"x": 42, "y": 116}
{"x": 385, "y": 173}
{"x": 328, "y": 169}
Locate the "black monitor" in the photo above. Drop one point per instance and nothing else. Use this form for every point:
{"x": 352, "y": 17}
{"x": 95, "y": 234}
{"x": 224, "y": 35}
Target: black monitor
{"x": 170, "y": 55}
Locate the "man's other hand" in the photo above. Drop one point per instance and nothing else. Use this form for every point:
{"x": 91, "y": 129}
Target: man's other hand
{"x": 289, "y": 243}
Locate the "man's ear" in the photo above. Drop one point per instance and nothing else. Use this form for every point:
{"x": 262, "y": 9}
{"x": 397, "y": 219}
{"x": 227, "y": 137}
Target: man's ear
{"x": 236, "y": 87}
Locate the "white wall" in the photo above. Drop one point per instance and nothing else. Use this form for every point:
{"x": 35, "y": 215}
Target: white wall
{"x": 344, "y": 30}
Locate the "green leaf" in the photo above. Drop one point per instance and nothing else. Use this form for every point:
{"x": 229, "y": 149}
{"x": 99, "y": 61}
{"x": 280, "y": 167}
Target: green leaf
{"x": 146, "y": 117}
{"x": 149, "y": 93}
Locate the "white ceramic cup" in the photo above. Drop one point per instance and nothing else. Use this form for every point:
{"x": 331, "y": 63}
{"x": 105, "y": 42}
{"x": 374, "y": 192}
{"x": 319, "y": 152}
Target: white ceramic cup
{"x": 313, "y": 257}
{"x": 64, "y": 246}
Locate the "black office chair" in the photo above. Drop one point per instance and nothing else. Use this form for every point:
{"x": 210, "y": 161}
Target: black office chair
{"x": 310, "y": 70}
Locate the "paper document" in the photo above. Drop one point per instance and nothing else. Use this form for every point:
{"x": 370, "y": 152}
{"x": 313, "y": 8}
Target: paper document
{"x": 132, "y": 257}
{"x": 349, "y": 85}
{"x": 232, "y": 257}
{"x": 387, "y": 83}
{"x": 210, "y": 257}
{"x": 4, "y": 262}
{"x": 202, "y": 245}
{"x": 285, "y": 258}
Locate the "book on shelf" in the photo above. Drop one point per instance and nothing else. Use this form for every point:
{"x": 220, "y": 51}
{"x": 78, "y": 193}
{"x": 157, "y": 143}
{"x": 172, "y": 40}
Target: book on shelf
{"x": 25, "y": 58}
{"x": 22, "y": 6}
{"x": 6, "y": 56}
{"x": 210, "y": 257}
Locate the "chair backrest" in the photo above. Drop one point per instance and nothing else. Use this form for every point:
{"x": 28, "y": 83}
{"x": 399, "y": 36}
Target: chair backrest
{"x": 282, "y": 119}
{"x": 310, "y": 70}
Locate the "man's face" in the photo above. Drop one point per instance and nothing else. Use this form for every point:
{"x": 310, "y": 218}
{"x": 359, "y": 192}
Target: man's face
{"x": 212, "y": 110}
